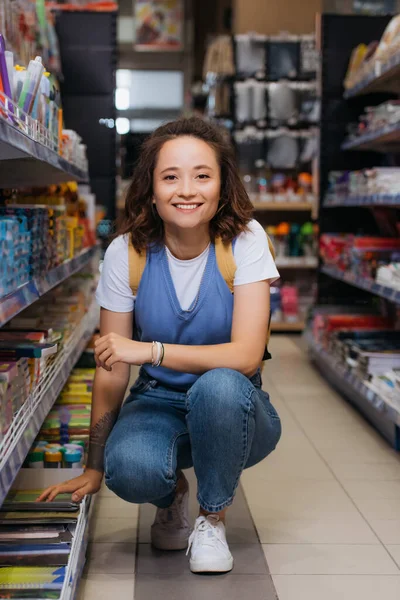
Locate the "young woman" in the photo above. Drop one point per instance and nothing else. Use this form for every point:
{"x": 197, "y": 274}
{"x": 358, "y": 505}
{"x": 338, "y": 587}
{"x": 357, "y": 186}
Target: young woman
{"x": 198, "y": 399}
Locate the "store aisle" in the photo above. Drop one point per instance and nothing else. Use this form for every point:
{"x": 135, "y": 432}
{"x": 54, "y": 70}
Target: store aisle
{"x": 325, "y": 506}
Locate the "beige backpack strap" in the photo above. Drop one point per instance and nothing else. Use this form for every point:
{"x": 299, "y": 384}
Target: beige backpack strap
{"x": 225, "y": 261}
{"x": 137, "y": 263}
{"x": 271, "y": 248}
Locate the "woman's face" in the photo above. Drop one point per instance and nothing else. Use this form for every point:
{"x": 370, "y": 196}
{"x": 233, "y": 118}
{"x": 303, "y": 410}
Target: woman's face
{"x": 186, "y": 183}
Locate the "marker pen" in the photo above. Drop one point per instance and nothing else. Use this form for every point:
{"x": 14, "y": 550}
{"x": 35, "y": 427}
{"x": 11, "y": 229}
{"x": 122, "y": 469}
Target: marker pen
{"x": 31, "y": 85}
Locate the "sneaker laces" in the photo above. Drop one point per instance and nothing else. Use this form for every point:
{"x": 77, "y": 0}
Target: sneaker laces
{"x": 206, "y": 531}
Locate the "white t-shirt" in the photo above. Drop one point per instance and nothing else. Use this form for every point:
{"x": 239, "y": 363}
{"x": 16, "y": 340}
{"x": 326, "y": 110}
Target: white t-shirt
{"x": 252, "y": 257}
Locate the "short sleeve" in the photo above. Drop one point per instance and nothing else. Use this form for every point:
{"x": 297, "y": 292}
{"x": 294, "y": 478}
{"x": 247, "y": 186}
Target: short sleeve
{"x": 113, "y": 291}
{"x": 253, "y": 257}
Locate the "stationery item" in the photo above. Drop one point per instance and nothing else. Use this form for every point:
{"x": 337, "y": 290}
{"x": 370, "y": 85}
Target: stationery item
{"x": 20, "y": 74}
{"x": 30, "y": 350}
{"x": 35, "y": 555}
{"x": 3, "y": 70}
{"x": 53, "y": 460}
{"x": 52, "y": 533}
{"x": 10, "y": 70}
{"x": 36, "y": 460}
{"x": 73, "y": 460}
{"x": 39, "y": 578}
{"x": 31, "y": 85}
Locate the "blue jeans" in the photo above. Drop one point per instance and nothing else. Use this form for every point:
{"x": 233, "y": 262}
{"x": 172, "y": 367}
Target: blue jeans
{"x": 222, "y": 425}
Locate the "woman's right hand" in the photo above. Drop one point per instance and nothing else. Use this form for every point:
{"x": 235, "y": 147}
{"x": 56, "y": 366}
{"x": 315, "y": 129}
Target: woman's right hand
{"x": 87, "y": 483}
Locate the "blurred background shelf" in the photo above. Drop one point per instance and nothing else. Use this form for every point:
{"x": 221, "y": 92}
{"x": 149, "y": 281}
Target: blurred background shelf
{"x": 283, "y": 206}
{"x": 363, "y": 283}
{"x": 297, "y": 262}
{"x": 386, "y": 139}
{"x": 12, "y": 304}
{"x": 367, "y": 200}
{"x": 384, "y": 78}
{"x": 283, "y": 326}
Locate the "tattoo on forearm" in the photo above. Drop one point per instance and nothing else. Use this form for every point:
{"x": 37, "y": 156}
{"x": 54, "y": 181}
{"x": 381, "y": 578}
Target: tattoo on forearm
{"x": 97, "y": 439}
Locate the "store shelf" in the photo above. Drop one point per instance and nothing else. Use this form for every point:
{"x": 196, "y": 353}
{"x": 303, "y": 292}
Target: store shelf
{"x": 25, "y": 162}
{"x": 386, "y": 139}
{"x": 384, "y": 414}
{"x": 363, "y": 283}
{"x": 27, "y": 294}
{"x": 367, "y": 200}
{"x": 283, "y": 326}
{"x": 77, "y": 556}
{"x": 283, "y": 206}
{"x": 294, "y": 262}
{"x": 27, "y": 422}
{"x": 383, "y": 78}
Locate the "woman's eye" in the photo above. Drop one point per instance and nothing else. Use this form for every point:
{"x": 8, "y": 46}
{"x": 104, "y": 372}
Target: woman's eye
{"x": 170, "y": 177}
{"x": 203, "y": 176}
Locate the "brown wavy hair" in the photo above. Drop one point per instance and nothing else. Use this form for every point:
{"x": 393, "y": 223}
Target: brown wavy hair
{"x": 142, "y": 221}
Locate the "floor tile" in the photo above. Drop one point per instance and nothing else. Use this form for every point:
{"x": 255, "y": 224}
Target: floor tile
{"x": 105, "y": 492}
{"x": 280, "y": 465}
{"x": 337, "y": 587}
{"x": 201, "y": 587}
{"x": 111, "y": 558}
{"x": 366, "y": 471}
{"x": 112, "y": 531}
{"x": 107, "y": 587}
{"x": 325, "y": 559}
{"x": 249, "y": 559}
{"x": 395, "y": 552}
{"x": 328, "y": 530}
{"x": 298, "y": 499}
{"x": 112, "y": 508}
{"x": 387, "y": 530}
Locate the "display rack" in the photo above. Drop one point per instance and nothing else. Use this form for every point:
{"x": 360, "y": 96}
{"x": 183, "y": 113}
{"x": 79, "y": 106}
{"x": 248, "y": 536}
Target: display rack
{"x": 383, "y": 77}
{"x": 284, "y": 326}
{"x": 25, "y": 162}
{"x": 364, "y": 283}
{"x": 26, "y": 424}
{"x": 337, "y": 111}
{"x": 12, "y": 304}
{"x": 296, "y": 262}
{"x": 386, "y": 139}
{"x": 283, "y": 206}
{"x": 332, "y": 200}
{"x": 384, "y": 415}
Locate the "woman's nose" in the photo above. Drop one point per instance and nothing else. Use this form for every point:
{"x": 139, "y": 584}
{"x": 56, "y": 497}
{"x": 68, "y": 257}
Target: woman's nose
{"x": 187, "y": 188}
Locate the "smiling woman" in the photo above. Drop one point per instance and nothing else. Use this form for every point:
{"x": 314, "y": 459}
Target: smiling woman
{"x": 188, "y": 278}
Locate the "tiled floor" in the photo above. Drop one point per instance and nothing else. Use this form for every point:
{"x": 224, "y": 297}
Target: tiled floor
{"x": 325, "y": 505}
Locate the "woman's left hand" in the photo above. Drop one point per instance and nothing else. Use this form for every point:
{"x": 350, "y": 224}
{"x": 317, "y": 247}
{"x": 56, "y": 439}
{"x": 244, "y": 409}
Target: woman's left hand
{"x": 113, "y": 348}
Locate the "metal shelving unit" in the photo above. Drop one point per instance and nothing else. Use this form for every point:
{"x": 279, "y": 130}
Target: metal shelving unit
{"x": 384, "y": 414}
{"x": 386, "y": 139}
{"x": 12, "y": 304}
{"x": 336, "y": 113}
{"x": 332, "y": 200}
{"x": 383, "y": 77}
{"x": 25, "y": 162}
{"x": 26, "y": 424}
{"x": 369, "y": 285}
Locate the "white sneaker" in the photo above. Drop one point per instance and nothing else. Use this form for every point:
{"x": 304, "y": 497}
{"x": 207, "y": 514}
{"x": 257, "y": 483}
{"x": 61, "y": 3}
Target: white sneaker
{"x": 209, "y": 549}
{"x": 171, "y": 529}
